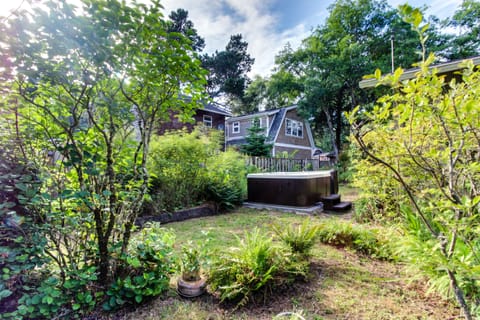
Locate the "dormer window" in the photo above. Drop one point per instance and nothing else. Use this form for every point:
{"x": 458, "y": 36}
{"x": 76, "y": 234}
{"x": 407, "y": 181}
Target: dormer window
{"x": 293, "y": 128}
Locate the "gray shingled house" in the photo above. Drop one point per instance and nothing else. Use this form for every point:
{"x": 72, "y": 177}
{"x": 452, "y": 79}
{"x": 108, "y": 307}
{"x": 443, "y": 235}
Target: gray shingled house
{"x": 285, "y": 130}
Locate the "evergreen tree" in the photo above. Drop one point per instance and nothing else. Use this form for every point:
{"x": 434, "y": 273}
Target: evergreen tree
{"x": 256, "y": 141}
{"x": 228, "y": 69}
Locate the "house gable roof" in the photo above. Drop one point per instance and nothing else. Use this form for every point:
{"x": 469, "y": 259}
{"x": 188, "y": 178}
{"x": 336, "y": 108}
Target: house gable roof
{"x": 210, "y": 107}
{"x": 276, "y": 124}
{"x": 278, "y": 116}
{"x": 408, "y": 74}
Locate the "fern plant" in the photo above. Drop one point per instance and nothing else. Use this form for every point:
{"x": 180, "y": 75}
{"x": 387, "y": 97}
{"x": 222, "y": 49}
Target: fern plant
{"x": 300, "y": 238}
{"x": 366, "y": 241}
{"x": 255, "y": 264}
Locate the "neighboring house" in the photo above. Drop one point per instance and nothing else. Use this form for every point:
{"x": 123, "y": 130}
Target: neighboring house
{"x": 284, "y": 128}
{"x": 449, "y": 69}
{"x": 210, "y": 115}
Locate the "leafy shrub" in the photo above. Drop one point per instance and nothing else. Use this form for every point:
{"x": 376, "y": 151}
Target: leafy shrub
{"x": 381, "y": 195}
{"x": 226, "y": 179}
{"x": 300, "y": 238}
{"x": 188, "y": 168}
{"x": 46, "y": 302}
{"x": 24, "y": 291}
{"x": 365, "y": 241}
{"x": 345, "y": 167}
{"x": 368, "y": 209}
{"x": 148, "y": 265}
{"x": 177, "y": 166}
{"x": 255, "y": 264}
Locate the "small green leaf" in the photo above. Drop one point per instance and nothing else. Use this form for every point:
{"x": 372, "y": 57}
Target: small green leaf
{"x": 5, "y": 293}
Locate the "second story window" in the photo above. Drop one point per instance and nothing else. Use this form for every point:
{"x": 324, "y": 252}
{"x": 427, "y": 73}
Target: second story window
{"x": 207, "y": 121}
{"x": 293, "y": 128}
{"x": 236, "y": 127}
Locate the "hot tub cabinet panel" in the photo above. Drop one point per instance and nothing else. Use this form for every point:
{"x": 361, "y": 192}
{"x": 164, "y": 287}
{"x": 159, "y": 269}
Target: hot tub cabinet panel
{"x": 300, "y": 189}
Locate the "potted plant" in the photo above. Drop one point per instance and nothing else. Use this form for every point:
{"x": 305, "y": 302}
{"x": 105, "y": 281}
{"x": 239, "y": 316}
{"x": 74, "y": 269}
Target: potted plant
{"x": 191, "y": 283}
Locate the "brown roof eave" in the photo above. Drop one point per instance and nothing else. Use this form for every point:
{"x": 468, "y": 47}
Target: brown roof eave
{"x": 411, "y": 73}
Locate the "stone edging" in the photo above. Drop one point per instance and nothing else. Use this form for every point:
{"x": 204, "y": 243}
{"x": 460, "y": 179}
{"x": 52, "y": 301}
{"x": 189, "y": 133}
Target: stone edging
{"x": 196, "y": 212}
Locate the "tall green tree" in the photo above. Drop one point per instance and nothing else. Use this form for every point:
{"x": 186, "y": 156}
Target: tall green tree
{"x": 180, "y": 23}
{"x": 277, "y": 91}
{"x": 323, "y": 74}
{"x": 228, "y": 70}
{"x": 91, "y": 84}
{"x": 466, "y": 20}
{"x": 284, "y": 87}
{"x": 354, "y": 40}
{"x": 255, "y": 96}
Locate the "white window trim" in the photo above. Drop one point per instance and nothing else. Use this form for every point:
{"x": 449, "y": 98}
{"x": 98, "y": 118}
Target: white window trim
{"x": 292, "y": 146}
{"x": 208, "y": 122}
{"x": 294, "y": 128}
{"x": 236, "y": 127}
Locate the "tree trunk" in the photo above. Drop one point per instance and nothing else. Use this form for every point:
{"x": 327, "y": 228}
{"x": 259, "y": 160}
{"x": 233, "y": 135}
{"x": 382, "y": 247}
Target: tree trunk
{"x": 338, "y": 129}
{"x": 332, "y": 132}
{"x": 459, "y": 295}
{"x": 103, "y": 262}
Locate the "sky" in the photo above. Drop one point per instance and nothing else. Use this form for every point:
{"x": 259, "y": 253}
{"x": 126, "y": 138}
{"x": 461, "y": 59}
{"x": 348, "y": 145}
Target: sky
{"x": 267, "y": 25}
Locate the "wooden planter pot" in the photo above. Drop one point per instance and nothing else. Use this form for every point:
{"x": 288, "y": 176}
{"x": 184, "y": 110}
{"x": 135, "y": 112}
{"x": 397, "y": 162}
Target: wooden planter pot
{"x": 190, "y": 289}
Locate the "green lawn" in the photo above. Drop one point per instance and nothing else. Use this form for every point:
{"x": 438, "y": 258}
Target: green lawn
{"x": 342, "y": 284}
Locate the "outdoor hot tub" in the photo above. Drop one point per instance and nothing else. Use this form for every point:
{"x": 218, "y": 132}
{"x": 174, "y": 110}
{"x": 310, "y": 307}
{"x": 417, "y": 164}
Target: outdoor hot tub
{"x": 300, "y": 189}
